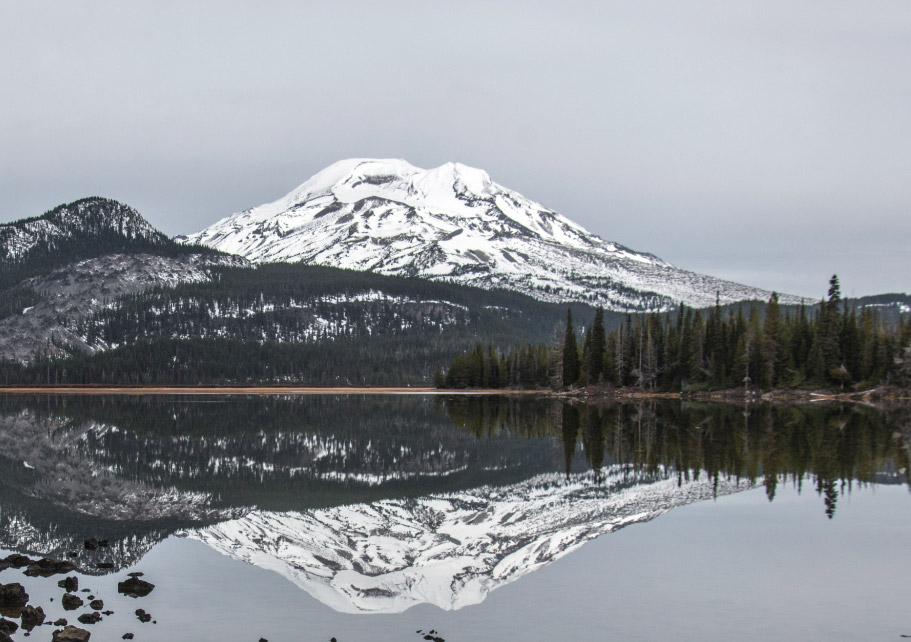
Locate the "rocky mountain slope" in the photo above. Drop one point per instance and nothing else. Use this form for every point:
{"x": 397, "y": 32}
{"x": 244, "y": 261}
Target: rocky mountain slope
{"x": 65, "y": 296}
{"x": 454, "y": 223}
{"x": 78, "y": 259}
{"x": 83, "y": 229}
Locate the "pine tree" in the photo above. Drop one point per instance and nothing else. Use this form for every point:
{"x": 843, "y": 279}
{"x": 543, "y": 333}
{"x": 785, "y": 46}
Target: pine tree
{"x": 596, "y": 348}
{"x": 570, "y": 353}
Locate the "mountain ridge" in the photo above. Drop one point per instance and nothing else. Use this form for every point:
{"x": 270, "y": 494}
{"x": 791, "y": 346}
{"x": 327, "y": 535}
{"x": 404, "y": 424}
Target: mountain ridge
{"x": 87, "y": 228}
{"x": 93, "y": 215}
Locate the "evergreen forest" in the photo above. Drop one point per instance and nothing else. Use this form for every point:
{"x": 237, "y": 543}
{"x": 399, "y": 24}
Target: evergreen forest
{"x": 834, "y": 345}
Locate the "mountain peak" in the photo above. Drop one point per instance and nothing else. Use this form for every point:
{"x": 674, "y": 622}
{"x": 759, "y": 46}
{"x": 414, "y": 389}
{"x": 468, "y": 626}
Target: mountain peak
{"x": 355, "y": 178}
{"x": 86, "y": 228}
{"x": 454, "y": 223}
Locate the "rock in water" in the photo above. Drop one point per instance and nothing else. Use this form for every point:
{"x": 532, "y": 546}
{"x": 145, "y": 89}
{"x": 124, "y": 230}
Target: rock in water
{"x": 8, "y": 626}
{"x": 71, "y": 634}
{"x": 71, "y": 602}
{"x": 13, "y": 595}
{"x": 91, "y": 544}
{"x": 70, "y": 584}
{"x": 127, "y": 636}
{"x": 31, "y": 617}
{"x": 97, "y": 605}
{"x": 90, "y": 618}
{"x": 18, "y": 561}
{"x": 135, "y": 587}
{"x": 47, "y": 567}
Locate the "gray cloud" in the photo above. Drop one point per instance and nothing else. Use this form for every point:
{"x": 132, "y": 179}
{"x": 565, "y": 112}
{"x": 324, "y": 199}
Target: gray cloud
{"x": 765, "y": 142}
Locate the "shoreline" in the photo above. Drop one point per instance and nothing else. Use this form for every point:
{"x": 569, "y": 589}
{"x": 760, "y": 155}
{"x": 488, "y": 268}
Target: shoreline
{"x": 251, "y": 390}
{"x": 588, "y": 394}
{"x": 883, "y": 394}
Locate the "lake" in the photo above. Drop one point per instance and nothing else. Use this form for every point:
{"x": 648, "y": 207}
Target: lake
{"x": 462, "y": 518}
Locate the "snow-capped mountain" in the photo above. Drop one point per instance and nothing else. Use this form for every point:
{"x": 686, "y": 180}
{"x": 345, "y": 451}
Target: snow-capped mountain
{"x": 450, "y": 550}
{"x": 454, "y": 223}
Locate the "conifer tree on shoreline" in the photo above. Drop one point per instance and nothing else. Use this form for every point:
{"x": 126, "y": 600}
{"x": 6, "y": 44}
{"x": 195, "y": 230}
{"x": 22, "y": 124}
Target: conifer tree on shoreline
{"x": 570, "y": 354}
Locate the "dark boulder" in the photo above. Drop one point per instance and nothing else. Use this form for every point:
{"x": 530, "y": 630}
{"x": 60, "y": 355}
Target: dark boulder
{"x": 135, "y": 587}
{"x": 47, "y": 567}
{"x": 104, "y": 565}
{"x": 8, "y": 626}
{"x": 32, "y": 616}
{"x": 69, "y": 584}
{"x": 90, "y": 618}
{"x": 90, "y": 544}
{"x": 71, "y": 602}
{"x": 61, "y": 622}
{"x": 13, "y": 595}
{"x": 127, "y": 636}
{"x": 97, "y": 605}
{"x": 18, "y": 561}
{"x": 71, "y": 634}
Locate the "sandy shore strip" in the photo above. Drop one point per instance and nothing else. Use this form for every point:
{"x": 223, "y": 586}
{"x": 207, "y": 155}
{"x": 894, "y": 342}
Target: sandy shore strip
{"x": 247, "y": 390}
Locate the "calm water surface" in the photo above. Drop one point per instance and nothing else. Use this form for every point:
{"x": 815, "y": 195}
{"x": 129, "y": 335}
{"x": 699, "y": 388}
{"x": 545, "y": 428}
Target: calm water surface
{"x": 365, "y": 518}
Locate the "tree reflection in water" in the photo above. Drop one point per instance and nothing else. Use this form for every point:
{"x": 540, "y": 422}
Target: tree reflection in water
{"x": 835, "y": 445}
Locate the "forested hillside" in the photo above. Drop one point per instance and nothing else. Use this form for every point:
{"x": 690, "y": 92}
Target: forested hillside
{"x": 291, "y": 323}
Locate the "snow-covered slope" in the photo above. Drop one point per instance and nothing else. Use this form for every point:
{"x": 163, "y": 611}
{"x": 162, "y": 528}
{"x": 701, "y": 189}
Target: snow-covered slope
{"x": 450, "y": 550}
{"x": 453, "y": 222}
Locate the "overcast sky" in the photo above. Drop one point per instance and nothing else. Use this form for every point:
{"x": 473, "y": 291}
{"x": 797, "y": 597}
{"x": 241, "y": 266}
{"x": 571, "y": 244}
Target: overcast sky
{"x": 766, "y": 142}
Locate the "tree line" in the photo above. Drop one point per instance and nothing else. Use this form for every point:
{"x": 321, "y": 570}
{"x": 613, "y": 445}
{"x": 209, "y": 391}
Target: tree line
{"x": 832, "y": 345}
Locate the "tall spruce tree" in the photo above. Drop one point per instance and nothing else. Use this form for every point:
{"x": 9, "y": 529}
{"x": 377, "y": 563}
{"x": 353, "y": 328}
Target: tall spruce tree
{"x": 596, "y": 349}
{"x": 570, "y": 353}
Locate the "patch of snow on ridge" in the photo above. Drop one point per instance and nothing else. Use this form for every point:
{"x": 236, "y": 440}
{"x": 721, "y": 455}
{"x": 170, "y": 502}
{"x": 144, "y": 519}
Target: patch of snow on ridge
{"x": 451, "y": 549}
{"x": 454, "y": 223}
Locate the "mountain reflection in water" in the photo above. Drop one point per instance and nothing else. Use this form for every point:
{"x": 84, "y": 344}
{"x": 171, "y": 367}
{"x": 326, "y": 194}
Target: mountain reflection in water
{"x": 378, "y": 503}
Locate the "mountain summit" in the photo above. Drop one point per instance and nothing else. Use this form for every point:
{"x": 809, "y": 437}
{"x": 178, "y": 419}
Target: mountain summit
{"x": 454, "y": 223}
{"x": 92, "y": 221}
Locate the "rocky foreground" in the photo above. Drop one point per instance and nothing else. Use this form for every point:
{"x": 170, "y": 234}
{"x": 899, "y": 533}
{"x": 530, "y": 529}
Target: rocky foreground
{"x": 88, "y": 609}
